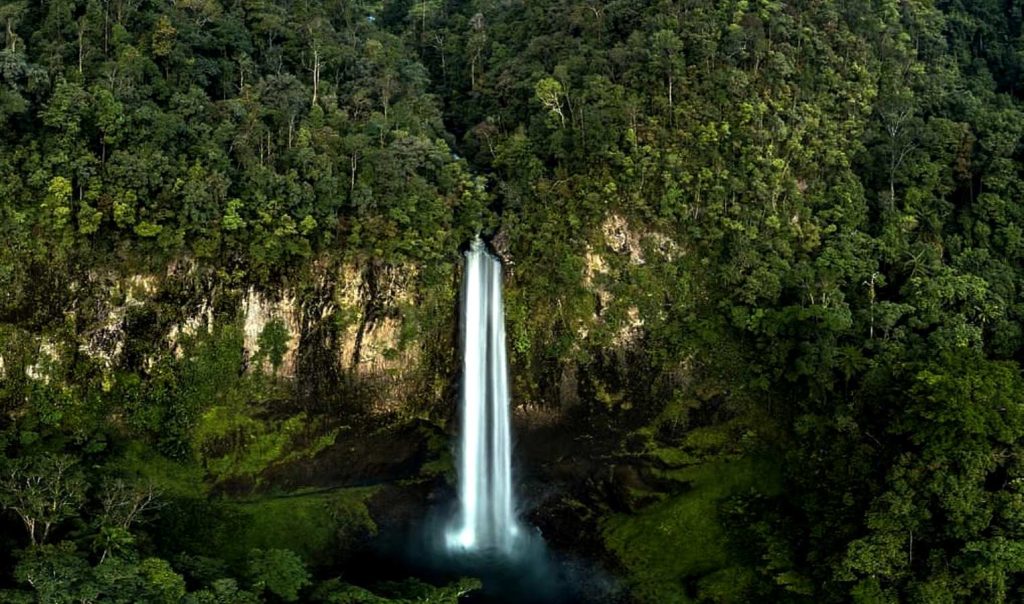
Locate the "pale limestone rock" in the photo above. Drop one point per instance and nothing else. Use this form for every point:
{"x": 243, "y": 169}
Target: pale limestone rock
{"x": 49, "y": 355}
{"x": 259, "y": 311}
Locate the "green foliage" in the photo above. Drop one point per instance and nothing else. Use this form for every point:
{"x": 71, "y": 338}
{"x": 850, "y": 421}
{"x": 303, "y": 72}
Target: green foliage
{"x": 411, "y": 591}
{"x": 223, "y": 591}
{"x": 963, "y": 417}
{"x": 278, "y": 571}
{"x": 58, "y": 574}
{"x": 165, "y": 585}
{"x": 273, "y": 342}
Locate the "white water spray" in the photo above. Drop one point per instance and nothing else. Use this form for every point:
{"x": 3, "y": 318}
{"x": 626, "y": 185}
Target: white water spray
{"x": 486, "y": 519}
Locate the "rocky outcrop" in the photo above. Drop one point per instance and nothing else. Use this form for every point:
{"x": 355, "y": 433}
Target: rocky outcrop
{"x": 621, "y": 242}
{"x": 339, "y": 321}
{"x": 260, "y": 310}
{"x": 371, "y": 345}
{"x": 47, "y": 357}
{"x": 351, "y": 328}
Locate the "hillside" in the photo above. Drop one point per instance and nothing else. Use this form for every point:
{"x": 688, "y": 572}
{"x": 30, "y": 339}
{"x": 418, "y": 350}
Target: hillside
{"x": 763, "y": 272}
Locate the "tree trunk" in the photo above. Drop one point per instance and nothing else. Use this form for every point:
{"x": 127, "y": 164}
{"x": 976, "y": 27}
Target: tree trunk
{"x": 316, "y": 75}
{"x": 352, "y": 177}
{"x": 81, "y": 43}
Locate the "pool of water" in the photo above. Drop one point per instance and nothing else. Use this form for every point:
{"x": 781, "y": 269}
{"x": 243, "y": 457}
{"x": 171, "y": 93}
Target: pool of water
{"x": 532, "y": 573}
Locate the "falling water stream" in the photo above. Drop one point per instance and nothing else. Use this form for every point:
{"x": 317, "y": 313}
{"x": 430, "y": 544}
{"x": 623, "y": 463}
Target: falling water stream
{"x": 482, "y": 536}
{"x": 486, "y": 520}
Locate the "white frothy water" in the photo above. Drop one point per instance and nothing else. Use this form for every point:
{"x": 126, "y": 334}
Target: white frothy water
{"x": 486, "y": 520}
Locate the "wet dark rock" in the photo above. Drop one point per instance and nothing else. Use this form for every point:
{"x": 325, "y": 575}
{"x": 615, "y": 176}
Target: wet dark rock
{"x": 357, "y": 458}
{"x": 400, "y": 507}
{"x": 235, "y": 486}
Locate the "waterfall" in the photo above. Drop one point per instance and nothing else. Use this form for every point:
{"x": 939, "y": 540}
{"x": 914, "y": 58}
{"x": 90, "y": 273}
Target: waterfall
{"x": 486, "y": 518}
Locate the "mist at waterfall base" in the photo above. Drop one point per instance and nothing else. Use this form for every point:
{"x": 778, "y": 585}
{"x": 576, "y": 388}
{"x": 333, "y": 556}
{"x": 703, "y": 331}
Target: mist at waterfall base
{"x": 480, "y": 533}
{"x": 534, "y": 574}
{"x": 531, "y": 573}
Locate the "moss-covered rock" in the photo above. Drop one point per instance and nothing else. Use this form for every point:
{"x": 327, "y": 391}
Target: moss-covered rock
{"x": 315, "y": 525}
{"x": 677, "y": 549}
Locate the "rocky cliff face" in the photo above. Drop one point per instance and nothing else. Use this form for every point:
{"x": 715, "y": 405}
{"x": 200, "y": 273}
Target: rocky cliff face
{"x": 337, "y": 324}
{"x": 371, "y": 337}
{"x": 375, "y": 335}
{"x": 362, "y": 308}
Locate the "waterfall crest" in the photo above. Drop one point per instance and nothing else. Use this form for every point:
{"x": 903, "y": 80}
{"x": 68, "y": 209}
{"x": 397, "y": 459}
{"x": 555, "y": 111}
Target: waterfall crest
{"x": 486, "y": 519}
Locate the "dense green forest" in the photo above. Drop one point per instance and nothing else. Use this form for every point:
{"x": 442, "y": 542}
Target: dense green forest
{"x": 764, "y": 264}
